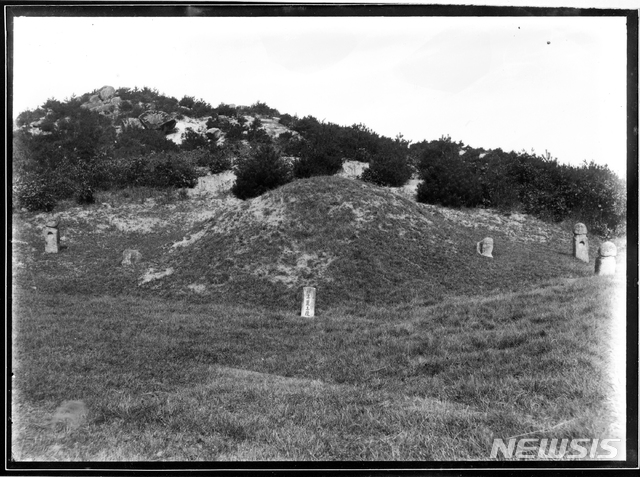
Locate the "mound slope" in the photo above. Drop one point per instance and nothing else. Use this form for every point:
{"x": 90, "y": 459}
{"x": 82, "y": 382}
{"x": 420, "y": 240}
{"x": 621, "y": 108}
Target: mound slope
{"x": 356, "y": 243}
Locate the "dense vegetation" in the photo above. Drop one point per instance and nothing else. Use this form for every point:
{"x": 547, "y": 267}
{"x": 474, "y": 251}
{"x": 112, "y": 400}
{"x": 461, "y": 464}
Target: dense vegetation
{"x": 74, "y": 151}
{"x": 455, "y": 175}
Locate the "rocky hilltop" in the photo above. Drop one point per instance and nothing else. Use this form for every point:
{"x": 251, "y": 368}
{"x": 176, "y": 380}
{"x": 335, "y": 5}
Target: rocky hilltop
{"x": 164, "y": 116}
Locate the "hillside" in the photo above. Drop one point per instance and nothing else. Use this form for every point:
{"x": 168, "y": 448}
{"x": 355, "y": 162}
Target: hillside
{"x": 421, "y": 350}
{"x": 111, "y": 139}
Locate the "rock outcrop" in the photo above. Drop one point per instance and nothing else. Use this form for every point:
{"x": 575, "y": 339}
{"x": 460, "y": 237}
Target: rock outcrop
{"x": 158, "y": 120}
{"x": 107, "y": 92}
{"x": 105, "y": 101}
{"x": 215, "y": 133}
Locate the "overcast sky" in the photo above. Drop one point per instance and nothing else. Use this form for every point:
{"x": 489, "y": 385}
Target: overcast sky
{"x": 547, "y": 83}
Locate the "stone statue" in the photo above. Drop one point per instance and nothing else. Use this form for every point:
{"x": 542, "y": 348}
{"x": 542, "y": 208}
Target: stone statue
{"x": 485, "y": 247}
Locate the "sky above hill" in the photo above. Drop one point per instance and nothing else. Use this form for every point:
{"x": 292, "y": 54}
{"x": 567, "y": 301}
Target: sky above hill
{"x": 554, "y": 84}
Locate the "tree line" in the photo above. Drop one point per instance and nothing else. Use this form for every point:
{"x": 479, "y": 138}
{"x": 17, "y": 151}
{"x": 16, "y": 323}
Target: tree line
{"x": 74, "y": 152}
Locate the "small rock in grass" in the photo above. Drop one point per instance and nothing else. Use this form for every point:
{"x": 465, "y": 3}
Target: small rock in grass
{"x": 131, "y": 257}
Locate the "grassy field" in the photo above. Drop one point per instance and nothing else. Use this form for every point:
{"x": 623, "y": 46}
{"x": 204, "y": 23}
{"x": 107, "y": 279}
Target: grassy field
{"x": 425, "y": 377}
{"x": 166, "y": 379}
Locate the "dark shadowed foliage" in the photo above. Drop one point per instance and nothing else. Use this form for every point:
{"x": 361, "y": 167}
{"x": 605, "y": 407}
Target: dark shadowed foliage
{"x": 263, "y": 170}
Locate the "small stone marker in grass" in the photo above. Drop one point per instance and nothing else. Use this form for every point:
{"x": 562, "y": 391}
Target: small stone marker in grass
{"x": 606, "y": 261}
{"x": 52, "y": 236}
{"x": 130, "y": 257}
{"x": 308, "y": 302}
{"x": 485, "y": 247}
{"x": 580, "y": 242}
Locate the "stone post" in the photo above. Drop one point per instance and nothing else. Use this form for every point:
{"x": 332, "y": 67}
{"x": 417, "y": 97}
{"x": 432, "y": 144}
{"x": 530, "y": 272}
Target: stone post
{"x": 606, "y": 261}
{"x": 580, "y": 242}
{"x": 308, "y": 302}
{"x": 485, "y": 247}
{"x": 52, "y": 236}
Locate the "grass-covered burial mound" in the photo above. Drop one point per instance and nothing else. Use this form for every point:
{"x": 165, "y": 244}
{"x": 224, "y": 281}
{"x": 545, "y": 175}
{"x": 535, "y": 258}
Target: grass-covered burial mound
{"x": 356, "y": 243}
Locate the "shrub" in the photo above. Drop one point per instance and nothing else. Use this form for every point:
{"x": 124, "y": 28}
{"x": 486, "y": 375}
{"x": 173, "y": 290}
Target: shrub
{"x": 193, "y": 140}
{"x": 34, "y": 194}
{"x": 290, "y": 145}
{"x": 319, "y": 155}
{"x": 225, "y": 110}
{"x": 169, "y": 170}
{"x": 133, "y": 141}
{"x": 260, "y": 172}
{"x": 201, "y": 109}
{"x": 600, "y": 199}
{"x": 76, "y": 135}
{"x": 389, "y": 167}
{"x": 256, "y": 134}
{"x": 235, "y": 133}
{"x": 262, "y": 109}
{"x": 316, "y": 161}
{"x": 307, "y": 126}
{"x": 187, "y": 102}
{"x": 287, "y": 120}
{"x": 359, "y": 143}
{"x": 85, "y": 194}
{"x": 220, "y": 163}
{"x": 449, "y": 182}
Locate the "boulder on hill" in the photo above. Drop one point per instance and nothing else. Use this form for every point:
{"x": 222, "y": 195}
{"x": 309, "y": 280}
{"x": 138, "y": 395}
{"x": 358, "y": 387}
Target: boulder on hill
{"x": 104, "y": 102}
{"x": 132, "y": 122}
{"x": 158, "y": 120}
{"x": 355, "y": 242}
{"x": 215, "y": 133}
{"x": 107, "y": 92}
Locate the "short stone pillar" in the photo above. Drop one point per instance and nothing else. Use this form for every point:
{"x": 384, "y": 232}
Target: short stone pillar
{"x": 580, "y": 242}
{"x": 52, "y": 236}
{"x": 308, "y": 302}
{"x": 606, "y": 261}
{"x": 485, "y": 247}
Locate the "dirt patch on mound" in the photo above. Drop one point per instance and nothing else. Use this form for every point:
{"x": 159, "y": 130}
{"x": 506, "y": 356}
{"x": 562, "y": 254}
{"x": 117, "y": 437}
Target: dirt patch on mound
{"x": 213, "y": 184}
{"x": 198, "y": 125}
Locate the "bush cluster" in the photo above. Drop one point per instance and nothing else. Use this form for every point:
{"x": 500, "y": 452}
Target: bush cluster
{"x": 135, "y": 141}
{"x": 33, "y": 194}
{"x": 262, "y": 109}
{"x": 389, "y": 166}
{"x": 264, "y": 169}
{"x": 41, "y": 191}
{"x": 537, "y": 185}
{"x": 319, "y": 154}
